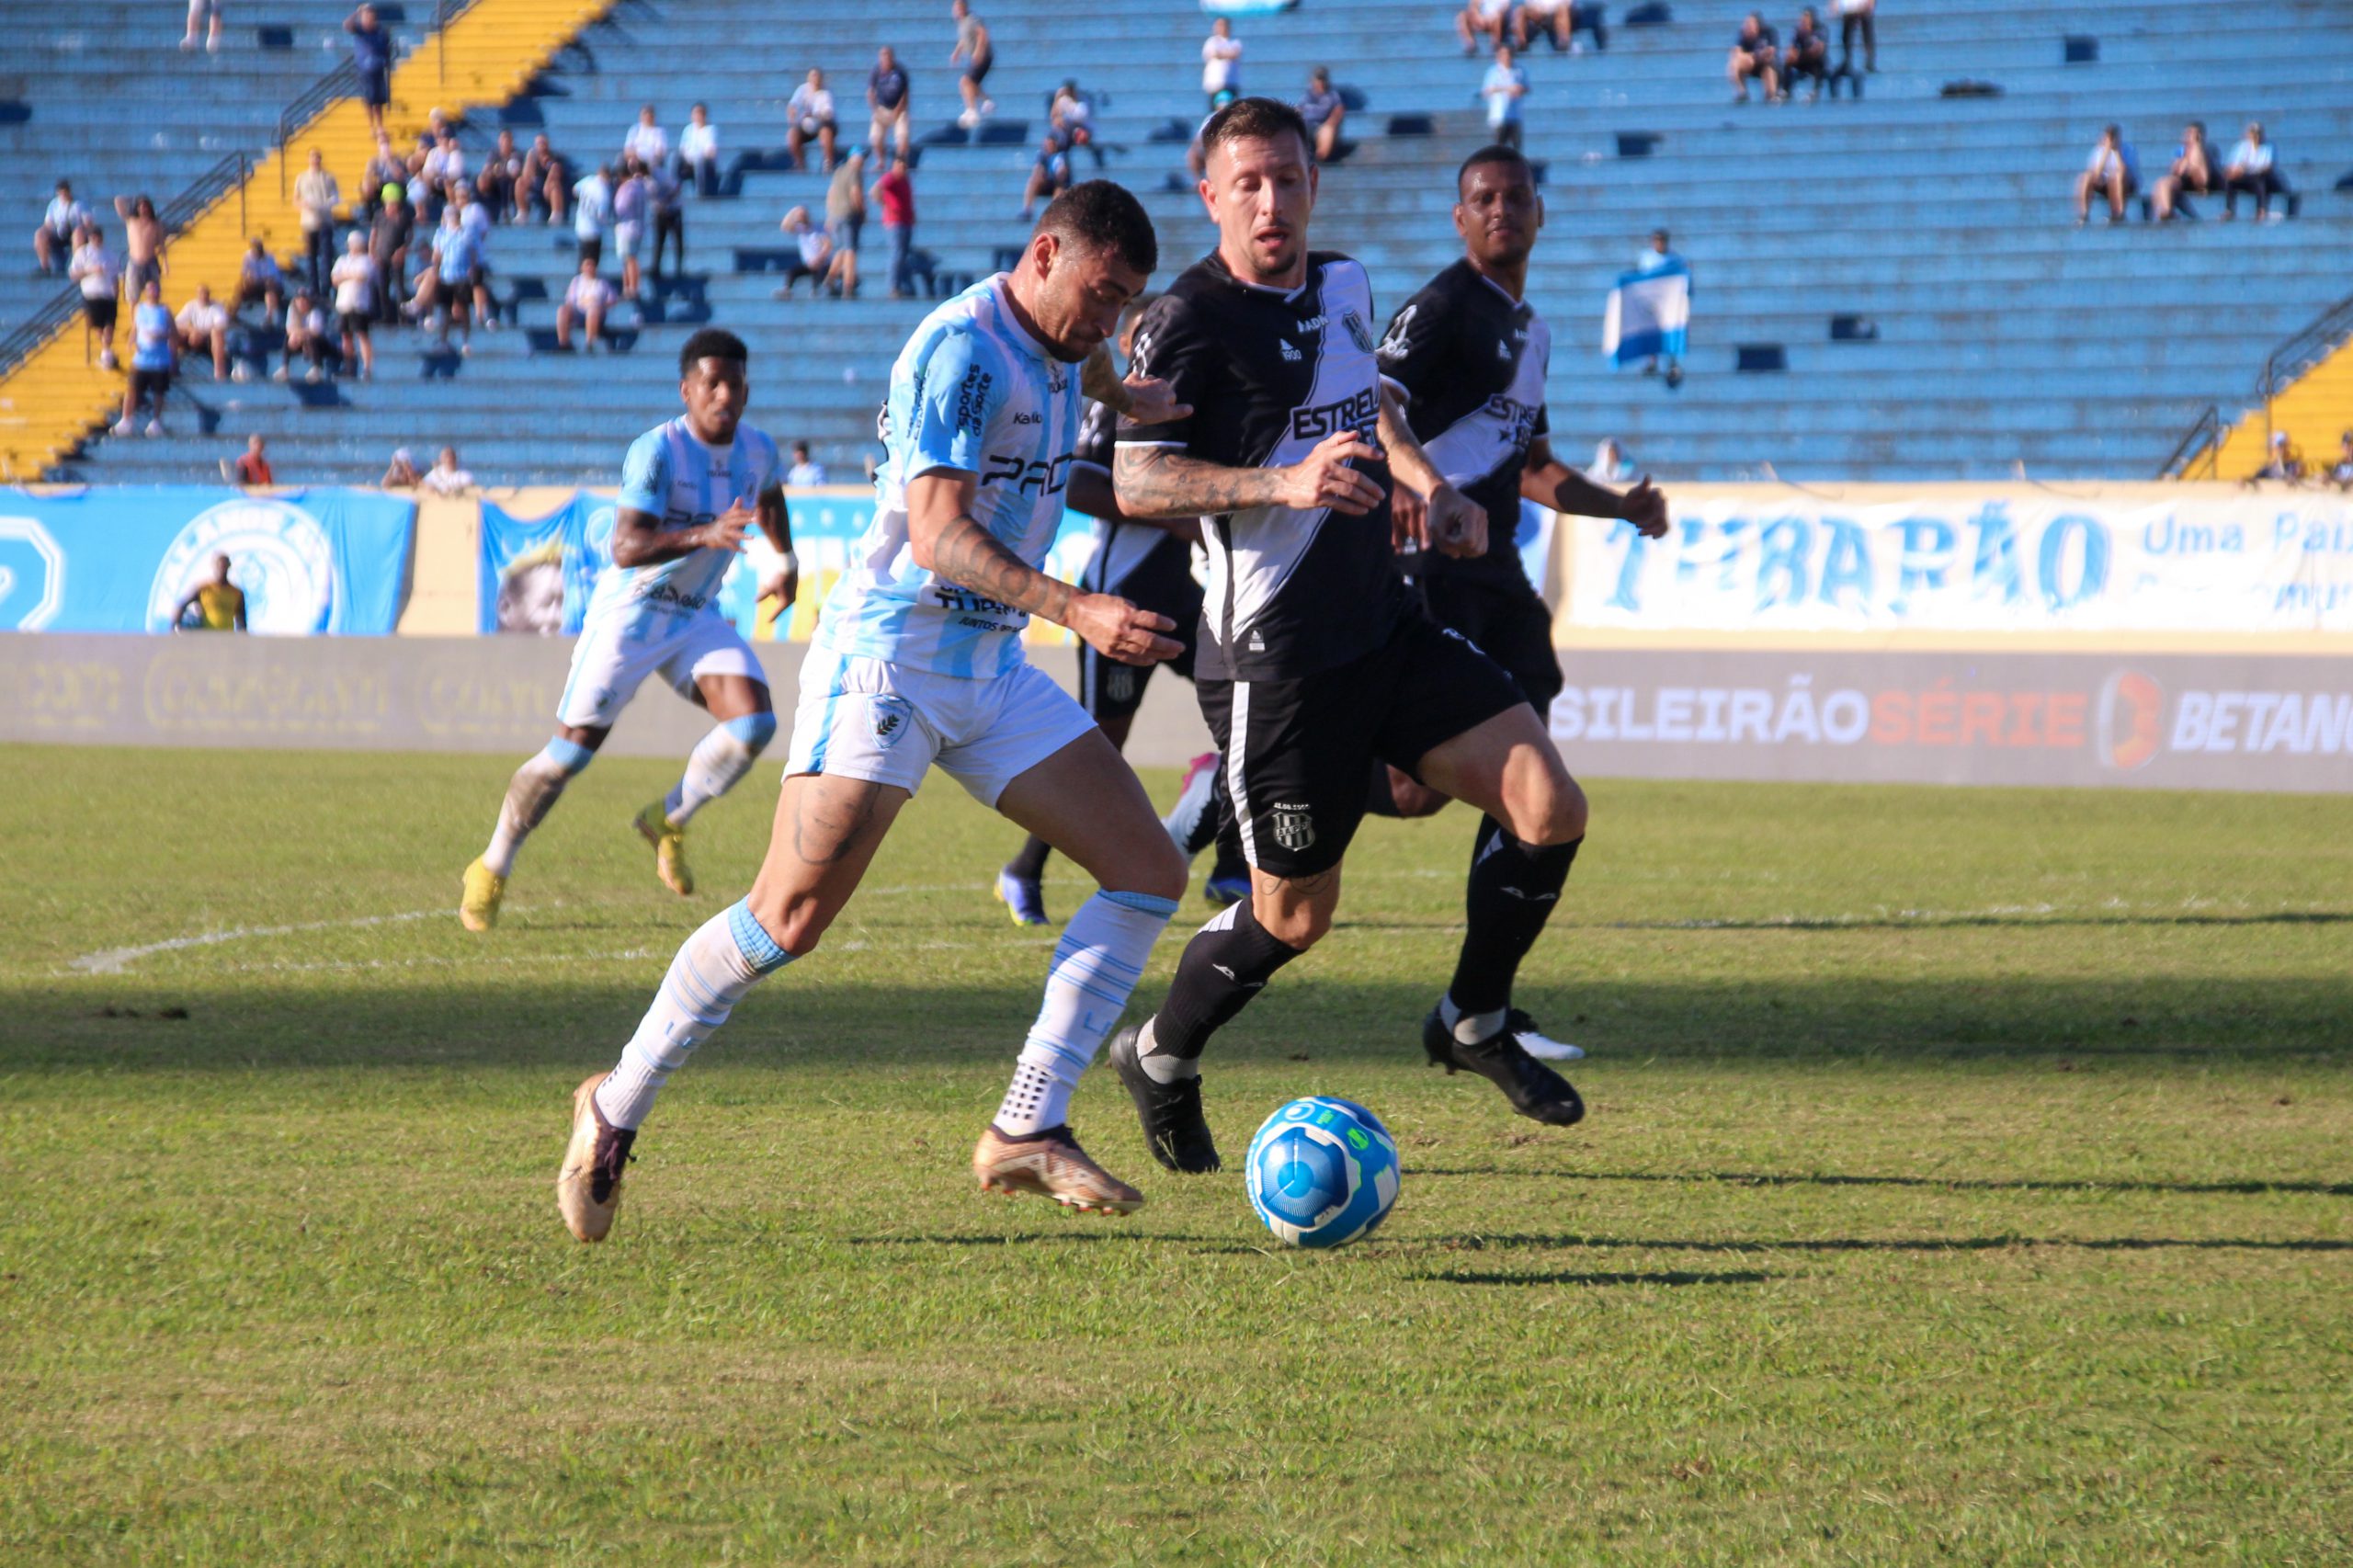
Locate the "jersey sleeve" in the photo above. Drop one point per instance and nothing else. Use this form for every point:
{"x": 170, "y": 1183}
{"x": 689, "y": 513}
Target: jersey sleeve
{"x": 957, "y": 390}
{"x": 1092, "y": 449}
{"x": 1412, "y": 353}
{"x": 645, "y": 474}
{"x": 1174, "y": 345}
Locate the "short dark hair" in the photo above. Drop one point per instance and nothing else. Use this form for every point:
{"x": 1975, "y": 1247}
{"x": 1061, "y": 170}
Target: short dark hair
{"x": 712, "y": 343}
{"x": 1255, "y": 119}
{"x": 1101, "y": 215}
{"x": 1494, "y": 152}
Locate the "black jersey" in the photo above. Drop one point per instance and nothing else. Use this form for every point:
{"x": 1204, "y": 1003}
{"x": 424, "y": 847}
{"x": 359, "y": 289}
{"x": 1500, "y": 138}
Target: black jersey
{"x": 1121, "y": 549}
{"x": 1270, "y": 374}
{"x": 1469, "y": 362}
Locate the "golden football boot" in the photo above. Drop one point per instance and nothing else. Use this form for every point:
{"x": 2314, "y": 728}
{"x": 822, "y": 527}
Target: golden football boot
{"x": 669, "y": 841}
{"x": 588, "y": 1188}
{"x": 478, "y": 905}
{"x": 1052, "y": 1165}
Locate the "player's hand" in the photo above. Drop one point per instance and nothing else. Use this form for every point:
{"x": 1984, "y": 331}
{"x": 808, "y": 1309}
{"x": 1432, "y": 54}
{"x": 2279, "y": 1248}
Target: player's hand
{"x": 783, "y": 585}
{"x": 725, "y": 532}
{"x": 1323, "y": 478}
{"x": 1152, "y": 401}
{"x": 1457, "y": 524}
{"x": 1409, "y": 519}
{"x": 1645, "y": 508}
{"x": 1118, "y": 630}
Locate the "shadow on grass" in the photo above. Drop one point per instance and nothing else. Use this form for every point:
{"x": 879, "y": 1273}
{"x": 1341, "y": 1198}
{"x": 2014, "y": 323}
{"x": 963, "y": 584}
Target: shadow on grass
{"x": 2023, "y": 921}
{"x": 1958, "y": 1183}
{"x": 1900, "y": 1244}
{"x": 1663, "y": 1277}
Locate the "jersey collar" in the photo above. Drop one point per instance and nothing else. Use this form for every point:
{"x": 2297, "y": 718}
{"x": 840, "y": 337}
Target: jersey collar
{"x": 1217, "y": 265}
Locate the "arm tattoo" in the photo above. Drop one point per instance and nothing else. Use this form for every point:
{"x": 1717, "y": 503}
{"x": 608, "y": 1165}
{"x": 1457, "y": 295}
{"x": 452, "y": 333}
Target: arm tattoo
{"x": 1100, "y": 380}
{"x": 969, "y": 555}
{"x": 1161, "y": 482}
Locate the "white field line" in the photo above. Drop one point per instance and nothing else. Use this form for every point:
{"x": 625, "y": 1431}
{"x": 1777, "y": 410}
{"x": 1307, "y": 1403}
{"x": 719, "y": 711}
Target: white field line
{"x": 115, "y": 960}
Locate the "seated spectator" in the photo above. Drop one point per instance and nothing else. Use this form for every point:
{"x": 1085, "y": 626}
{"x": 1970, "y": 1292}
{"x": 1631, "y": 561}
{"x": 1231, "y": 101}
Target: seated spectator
{"x": 2342, "y": 474}
{"x": 809, "y": 115}
{"x": 2113, "y": 171}
{"x": 1067, "y": 108}
{"x": 54, "y": 241}
{"x": 1807, "y": 58}
{"x": 2285, "y": 462}
{"x": 1049, "y": 175}
{"x": 699, "y": 152}
{"x": 803, "y": 473}
{"x": 150, "y": 359}
{"x": 2253, "y": 169}
{"x": 845, "y": 221}
{"x": 446, "y": 477}
{"x": 1323, "y": 111}
{"x": 99, "y": 276}
{"x": 399, "y": 474}
{"x": 356, "y": 282}
{"x": 816, "y": 247}
{"x": 586, "y": 299}
{"x": 1609, "y": 465}
{"x": 646, "y": 141}
{"x": 309, "y": 333}
{"x": 252, "y": 467}
{"x": 1222, "y": 64}
{"x": 446, "y": 291}
{"x": 389, "y": 239}
{"x": 1756, "y": 51}
{"x": 385, "y": 167}
{"x": 1483, "y": 19}
{"x": 1506, "y": 90}
{"x": 543, "y": 185}
{"x": 889, "y": 98}
{"x": 443, "y": 166}
{"x": 260, "y": 278}
{"x": 501, "y": 174}
{"x": 203, "y": 328}
{"x": 2193, "y": 174}
{"x": 1560, "y": 20}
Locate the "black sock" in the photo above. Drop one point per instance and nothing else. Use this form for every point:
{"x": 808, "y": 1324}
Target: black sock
{"x": 1380, "y": 800}
{"x": 1513, "y": 889}
{"x": 1030, "y": 864}
{"x": 1227, "y": 962}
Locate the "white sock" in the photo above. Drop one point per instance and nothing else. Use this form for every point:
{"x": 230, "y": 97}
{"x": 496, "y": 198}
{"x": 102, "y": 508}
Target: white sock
{"x": 1169, "y": 1069}
{"x": 718, "y": 762}
{"x": 1470, "y": 1029}
{"x": 720, "y": 963}
{"x": 531, "y": 795}
{"x": 1095, "y": 967}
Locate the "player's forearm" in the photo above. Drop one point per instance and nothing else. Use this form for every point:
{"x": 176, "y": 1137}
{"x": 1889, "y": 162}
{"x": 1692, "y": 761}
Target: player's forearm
{"x": 1565, "y": 490}
{"x": 1100, "y": 379}
{"x": 970, "y": 556}
{"x": 1162, "y": 482}
{"x": 1407, "y": 461}
{"x": 776, "y": 521}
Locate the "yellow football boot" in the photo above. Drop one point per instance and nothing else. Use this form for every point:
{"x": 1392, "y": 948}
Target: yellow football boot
{"x": 669, "y": 843}
{"x": 478, "y": 907}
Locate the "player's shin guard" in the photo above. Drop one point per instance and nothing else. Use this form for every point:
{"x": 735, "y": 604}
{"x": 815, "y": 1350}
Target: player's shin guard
{"x": 1228, "y": 961}
{"x": 1095, "y": 966}
{"x": 720, "y": 963}
{"x": 531, "y": 795}
{"x": 1514, "y": 887}
{"x": 718, "y": 763}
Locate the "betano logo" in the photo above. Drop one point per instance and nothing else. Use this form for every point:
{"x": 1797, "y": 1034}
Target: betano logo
{"x": 2132, "y": 719}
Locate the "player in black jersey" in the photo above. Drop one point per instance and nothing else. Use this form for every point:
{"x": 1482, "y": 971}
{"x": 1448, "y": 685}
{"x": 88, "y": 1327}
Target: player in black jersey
{"x": 1149, "y": 565}
{"x": 1470, "y": 353}
{"x": 1314, "y": 660}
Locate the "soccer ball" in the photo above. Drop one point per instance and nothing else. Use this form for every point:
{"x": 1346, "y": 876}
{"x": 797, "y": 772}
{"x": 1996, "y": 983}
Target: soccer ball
{"x": 1321, "y": 1172}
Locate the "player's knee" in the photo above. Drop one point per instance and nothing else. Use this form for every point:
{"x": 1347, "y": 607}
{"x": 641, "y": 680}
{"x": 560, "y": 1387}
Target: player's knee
{"x": 754, "y": 730}
{"x": 1162, "y": 872}
{"x": 796, "y": 921}
{"x": 1559, "y": 818}
{"x": 1414, "y": 799}
{"x": 569, "y": 757}
{"x": 1299, "y": 926}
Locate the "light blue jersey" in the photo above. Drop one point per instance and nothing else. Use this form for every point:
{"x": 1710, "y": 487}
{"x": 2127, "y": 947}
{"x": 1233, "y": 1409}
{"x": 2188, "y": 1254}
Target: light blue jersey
{"x": 971, "y": 390}
{"x": 671, "y": 475}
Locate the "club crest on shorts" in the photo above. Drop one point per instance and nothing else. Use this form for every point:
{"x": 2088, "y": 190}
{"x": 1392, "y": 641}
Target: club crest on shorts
{"x": 1119, "y": 683}
{"x": 1294, "y": 830}
{"x": 1359, "y": 333}
{"x": 892, "y": 719}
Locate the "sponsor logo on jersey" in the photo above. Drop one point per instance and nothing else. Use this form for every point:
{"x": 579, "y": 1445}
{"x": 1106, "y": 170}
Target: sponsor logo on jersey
{"x": 1027, "y": 476}
{"x": 1503, "y": 351}
{"x": 1024, "y": 417}
{"x": 1291, "y": 354}
{"x": 1515, "y": 420}
{"x": 1360, "y": 411}
{"x": 972, "y": 400}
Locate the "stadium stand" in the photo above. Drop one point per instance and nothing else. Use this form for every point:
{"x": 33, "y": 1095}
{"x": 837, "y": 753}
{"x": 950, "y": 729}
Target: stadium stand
{"x": 1908, "y": 260}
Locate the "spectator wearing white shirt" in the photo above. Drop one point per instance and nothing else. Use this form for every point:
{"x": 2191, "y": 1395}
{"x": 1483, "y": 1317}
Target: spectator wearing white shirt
{"x": 592, "y": 212}
{"x": 309, "y": 334}
{"x": 1483, "y": 19}
{"x": 803, "y": 474}
{"x": 355, "y": 281}
{"x": 699, "y": 151}
{"x": 2252, "y": 168}
{"x": 809, "y": 116}
{"x": 1504, "y": 88}
{"x": 53, "y": 242}
{"x": 399, "y": 474}
{"x": 1560, "y": 20}
{"x": 203, "y": 328}
{"x": 1222, "y": 65}
{"x": 2113, "y": 171}
{"x": 646, "y": 141}
{"x": 446, "y": 478}
{"x": 99, "y": 276}
{"x": 587, "y": 299}
{"x": 814, "y": 249}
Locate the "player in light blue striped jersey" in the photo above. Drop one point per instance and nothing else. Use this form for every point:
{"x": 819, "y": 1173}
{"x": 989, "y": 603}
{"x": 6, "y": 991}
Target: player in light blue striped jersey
{"x": 917, "y": 661}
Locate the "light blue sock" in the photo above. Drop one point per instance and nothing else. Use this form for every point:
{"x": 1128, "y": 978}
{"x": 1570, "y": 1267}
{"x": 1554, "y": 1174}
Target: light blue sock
{"x": 719, "y": 965}
{"x": 718, "y": 763}
{"x": 1095, "y": 967}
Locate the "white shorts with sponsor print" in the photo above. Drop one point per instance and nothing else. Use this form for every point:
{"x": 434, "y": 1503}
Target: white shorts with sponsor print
{"x": 862, "y": 718}
{"x": 609, "y": 664}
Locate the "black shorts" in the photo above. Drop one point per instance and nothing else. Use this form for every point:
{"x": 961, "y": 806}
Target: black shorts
{"x": 977, "y": 71}
{"x": 592, "y": 248}
{"x": 356, "y": 323}
{"x": 376, "y": 88}
{"x": 1162, "y": 582}
{"x": 146, "y": 382}
{"x": 1510, "y": 623}
{"x": 99, "y": 313}
{"x": 1298, "y": 752}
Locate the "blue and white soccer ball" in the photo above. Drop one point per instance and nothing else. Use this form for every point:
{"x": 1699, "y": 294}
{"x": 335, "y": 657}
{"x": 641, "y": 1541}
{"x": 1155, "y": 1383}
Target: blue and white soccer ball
{"x": 1321, "y": 1172}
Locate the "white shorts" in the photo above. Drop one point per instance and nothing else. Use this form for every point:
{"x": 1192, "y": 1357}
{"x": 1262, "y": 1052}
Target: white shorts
{"x": 608, "y": 665}
{"x": 866, "y": 719}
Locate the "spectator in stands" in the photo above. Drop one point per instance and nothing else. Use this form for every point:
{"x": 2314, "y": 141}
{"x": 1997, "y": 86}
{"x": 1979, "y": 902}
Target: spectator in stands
{"x": 2285, "y": 463}
{"x": 543, "y": 185}
{"x": 645, "y": 141}
{"x": 497, "y": 183}
{"x": 976, "y": 50}
{"x": 357, "y": 285}
{"x": 2252, "y": 170}
{"x": 2114, "y": 171}
{"x": 385, "y": 167}
{"x": 1323, "y": 110}
{"x": 447, "y": 478}
{"x": 592, "y": 210}
{"x": 894, "y": 194}
{"x": 1609, "y": 465}
{"x": 198, "y": 12}
{"x": 1220, "y": 65}
{"x": 1560, "y": 20}
{"x": 309, "y": 333}
{"x": 260, "y": 277}
{"x": 890, "y": 101}
{"x": 1756, "y": 52}
{"x": 1857, "y": 16}
{"x": 803, "y": 474}
{"x": 474, "y": 219}
{"x": 142, "y": 243}
{"x": 587, "y": 299}
{"x": 809, "y": 115}
{"x": 1049, "y": 175}
{"x": 445, "y": 289}
{"x": 99, "y": 276}
{"x": 317, "y": 195}
{"x": 53, "y": 242}
{"x": 1653, "y": 257}
{"x": 813, "y": 257}
{"x": 150, "y": 359}
{"x": 666, "y": 195}
{"x": 219, "y": 604}
{"x": 203, "y": 328}
{"x": 251, "y": 469}
{"x": 389, "y": 238}
{"x": 399, "y": 474}
{"x": 1807, "y": 58}
{"x": 2193, "y": 173}
{"x": 1483, "y": 19}
{"x": 371, "y": 56}
{"x": 1506, "y": 90}
{"x": 845, "y": 221}
{"x": 632, "y": 209}
{"x": 699, "y": 152}
{"x": 2342, "y": 474}
{"x": 444, "y": 167}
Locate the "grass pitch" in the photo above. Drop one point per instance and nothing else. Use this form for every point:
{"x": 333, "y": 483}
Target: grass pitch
{"x": 1969, "y": 1179}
